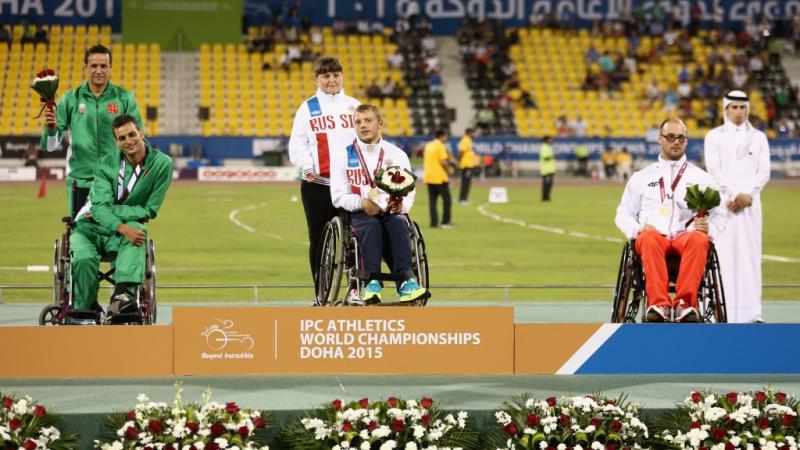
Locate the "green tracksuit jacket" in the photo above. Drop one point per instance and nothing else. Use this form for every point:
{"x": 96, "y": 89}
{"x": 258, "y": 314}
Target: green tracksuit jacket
{"x": 97, "y": 235}
{"x": 88, "y": 118}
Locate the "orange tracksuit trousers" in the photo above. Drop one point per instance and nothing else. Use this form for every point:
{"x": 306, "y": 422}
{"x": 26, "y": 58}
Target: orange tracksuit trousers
{"x": 653, "y": 247}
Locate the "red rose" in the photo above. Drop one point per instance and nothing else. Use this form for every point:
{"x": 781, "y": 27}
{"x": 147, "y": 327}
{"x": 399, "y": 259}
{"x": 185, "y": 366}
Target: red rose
{"x": 169, "y": 447}
{"x": 131, "y": 415}
{"x": 732, "y": 396}
{"x": 193, "y": 427}
{"x": 131, "y": 433}
{"x": 14, "y": 423}
{"x": 212, "y": 446}
{"x": 718, "y": 434}
{"x": 217, "y": 429}
{"x": 426, "y": 420}
{"x": 532, "y": 420}
{"x": 696, "y": 397}
{"x": 259, "y": 422}
{"x": 694, "y": 425}
{"x": 392, "y": 402}
{"x": 426, "y": 402}
{"x": 611, "y": 447}
{"x": 780, "y": 397}
{"x": 372, "y": 426}
{"x": 231, "y": 408}
{"x": 364, "y": 403}
{"x": 154, "y": 426}
{"x": 41, "y": 74}
{"x": 148, "y": 448}
{"x": 336, "y": 404}
{"x": 192, "y": 447}
{"x": 787, "y": 420}
{"x": 39, "y": 411}
{"x": 763, "y": 423}
{"x": 551, "y": 401}
{"x": 591, "y": 397}
{"x": 51, "y": 72}
{"x": 511, "y": 428}
{"x": 729, "y": 446}
{"x": 564, "y": 420}
{"x": 761, "y": 397}
{"x": 596, "y": 422}
{"x": 398, "y": 426}
{"x": 7, "y": 402}
{"x": 347, "y": 426}
{"x": 609, "y": 402}
{"x": 243, "y": 432}
{"x": 30, "y": 444}
{"x": 616, "y": 426}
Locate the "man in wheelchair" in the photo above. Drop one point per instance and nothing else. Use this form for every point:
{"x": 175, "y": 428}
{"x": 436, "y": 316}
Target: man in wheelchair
{"x": 377, "y": 220}
{"x": 128, "y": 188}
{"x": 654, "y": 213}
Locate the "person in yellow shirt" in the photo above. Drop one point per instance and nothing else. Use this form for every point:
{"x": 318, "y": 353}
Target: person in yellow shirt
{"x": 624, "y": 162}
{"x": 435, "y": 175}
{"x": 467, "y": 162}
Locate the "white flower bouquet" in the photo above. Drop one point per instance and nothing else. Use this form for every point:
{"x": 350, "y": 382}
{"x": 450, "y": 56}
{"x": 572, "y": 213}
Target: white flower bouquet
{"x": 748, "y": 421}
{"x": 394, "y": 424}
{"x": 26, "y": 425}
{"x": 579, "y": 423}
{"x": 160, "y": 426}
{"x": 46, "y": 84}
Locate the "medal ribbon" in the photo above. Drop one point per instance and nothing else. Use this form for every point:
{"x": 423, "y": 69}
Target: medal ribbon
{"x": 362, "y": 161}
{"x": 122, "y": 190}
{"x": 674, "y": 181}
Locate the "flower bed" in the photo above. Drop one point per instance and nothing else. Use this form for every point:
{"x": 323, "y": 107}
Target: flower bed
{"x": 27, "y": 425}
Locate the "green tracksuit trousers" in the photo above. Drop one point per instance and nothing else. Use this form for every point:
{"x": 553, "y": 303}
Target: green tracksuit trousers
{"x": 88, "y": 246}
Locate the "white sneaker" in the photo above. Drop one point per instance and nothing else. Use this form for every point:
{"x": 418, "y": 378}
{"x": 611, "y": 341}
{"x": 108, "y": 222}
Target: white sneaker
{"x": 354, "y": 299}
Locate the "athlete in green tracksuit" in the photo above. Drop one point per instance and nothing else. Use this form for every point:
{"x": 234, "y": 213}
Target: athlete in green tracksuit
{"x": 87, "y": 112}
{"x": 111, "y": 220}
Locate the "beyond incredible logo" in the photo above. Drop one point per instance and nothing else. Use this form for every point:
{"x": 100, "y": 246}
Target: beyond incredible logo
{"x": 220, "y": 334}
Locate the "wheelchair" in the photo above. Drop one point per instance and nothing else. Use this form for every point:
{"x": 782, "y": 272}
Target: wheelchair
{"x": 340, "y": 259}
{"x": 630, "y": 297}
{"x": 62, "y": 312}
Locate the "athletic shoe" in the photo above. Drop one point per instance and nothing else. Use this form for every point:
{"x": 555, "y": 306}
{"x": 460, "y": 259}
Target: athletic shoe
{"x": 372, "y": 292}
{"x": 411, "y": 290}
{"x": 448, "y": 226}
{"x": 659, "y": 314}
{"x": 354, "y": 299}
{"x": 122, "y": 304}
{"x": 686, "y": 314}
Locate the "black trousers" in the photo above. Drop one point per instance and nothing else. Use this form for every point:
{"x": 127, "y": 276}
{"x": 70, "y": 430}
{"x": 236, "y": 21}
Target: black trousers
{"x": 319, "y": 211}
{"x": 547, "y": 186}
{"x": 384, "y": 236}
{"x": 434, "y": 191}
{"x": 466, "y": 180}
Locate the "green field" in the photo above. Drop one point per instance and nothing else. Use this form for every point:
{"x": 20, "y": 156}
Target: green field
{"x": 199, "y": 242}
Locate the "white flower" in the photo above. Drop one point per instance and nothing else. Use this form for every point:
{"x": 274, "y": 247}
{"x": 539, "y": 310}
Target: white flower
{"x": 21, "y": 406}
{"x": 502, "y": 417}
{"x": 381, "y": 432}
{"x": 336, "y": 447}
{"x": 597, "y": 446}
{"x": 364, "y": 445}
{"x": 142, "y": 398}
{"x": 411, "y": 446}
{"x": 561, "y": 447}
{"x": 542, "y": 445}
{"x": 389, "y": 445}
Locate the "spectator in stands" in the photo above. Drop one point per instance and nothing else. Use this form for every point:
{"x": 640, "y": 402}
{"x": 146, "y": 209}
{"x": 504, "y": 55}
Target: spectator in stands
{"x": 486, "y": 119}
{"x": 737, "y": 156}
{"x": 652, "y": 92}
{"x": 582, "y": 157}
{"x": 374, "y": 89}
{"x": 376, "y": 219}
{"x": 28, "y": 35}
{"x": 395, "y": 60}
{"x": 87, "y": 111}
{"x": 467, "y": 162}
{"x": 785, "y": 128}
{"x": 5, "y": 35}
{"x": 670, "y": 100}
{"x": 562, "y": 126}
{"x": 624, "y": 164}
{"x": 389, "y": 89}
{"x": 264, "y": 41}
{"x": 609, "y": 162}
{"x": 322, "y": 124}
{"x": 547, "y": 167}
{"x": 661, "y": 225}
{"x": 40, "y": 37}
{"x": 435, "y": 81}
{"x": 437, "y": 166}
{"x": 592, "y": 55}
{"x": 316, "y": 36}
{"x": 578, "y": 126}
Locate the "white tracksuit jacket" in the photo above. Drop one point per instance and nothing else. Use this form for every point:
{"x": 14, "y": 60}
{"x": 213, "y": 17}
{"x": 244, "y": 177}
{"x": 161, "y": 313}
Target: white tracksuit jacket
{"x": 349, "y": 185}
{"x": 643, "y": 203}
{"x": 323, "y": 124}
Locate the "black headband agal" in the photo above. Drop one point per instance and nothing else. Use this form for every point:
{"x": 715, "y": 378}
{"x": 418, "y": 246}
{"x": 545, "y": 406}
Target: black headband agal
{"x": 737, "y": 98}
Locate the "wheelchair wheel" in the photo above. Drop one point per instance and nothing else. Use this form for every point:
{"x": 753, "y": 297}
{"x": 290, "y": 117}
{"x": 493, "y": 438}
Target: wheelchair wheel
{"x": 331, "y": 262}
{"x": 59, "y": 273}
{"x": 51, "y": 315}
{"x": 150, "y": 306}
{"x": 712, "y": 294}
{"x": 627, "y": 295}
{"x": 419, "y": 258}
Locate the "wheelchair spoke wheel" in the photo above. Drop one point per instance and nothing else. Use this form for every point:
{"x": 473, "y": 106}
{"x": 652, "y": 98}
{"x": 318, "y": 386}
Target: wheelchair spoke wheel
{"x": 331, "y": 262}
{"x": 51, "y": 315}
{"x": 419, "y": 257}
{"x": 622, "y": 291}
{"x": 714, "y": 293}
{"x": 59, "y": 274}
{"x": 151, "y": 306}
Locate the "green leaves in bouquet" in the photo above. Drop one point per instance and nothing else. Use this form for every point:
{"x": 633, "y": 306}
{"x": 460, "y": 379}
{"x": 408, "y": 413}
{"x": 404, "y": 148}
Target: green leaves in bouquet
{"x": 702, "y": 201}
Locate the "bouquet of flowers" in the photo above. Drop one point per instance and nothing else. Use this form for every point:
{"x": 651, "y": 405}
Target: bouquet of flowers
{"x": 382, "y": 425}
{"x": 579, "y": 423}
{"x": 396, "y": 181}
{"x": 27, "y": 425}
{"x": 749, "y": 421}
{"x": 701, "y": 200}
{"x": 46, "y": 84}
{"x": 210, "y": 426}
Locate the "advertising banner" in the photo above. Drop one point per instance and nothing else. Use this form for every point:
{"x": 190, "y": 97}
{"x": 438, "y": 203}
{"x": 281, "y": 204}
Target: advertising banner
{"x": 401, "y": 340}
{"x": 241, "y": 174}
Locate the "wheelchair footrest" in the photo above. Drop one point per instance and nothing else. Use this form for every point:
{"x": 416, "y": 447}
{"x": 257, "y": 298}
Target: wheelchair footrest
{"x": 83, "y": 317}
{"x": 124, "y": 318}
{"x": 365, "y": 275}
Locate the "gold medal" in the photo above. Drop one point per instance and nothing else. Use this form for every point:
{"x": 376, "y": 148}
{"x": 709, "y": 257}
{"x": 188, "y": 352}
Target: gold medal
{"x": 664, "y": 210}
{"x": 374, "y": 195}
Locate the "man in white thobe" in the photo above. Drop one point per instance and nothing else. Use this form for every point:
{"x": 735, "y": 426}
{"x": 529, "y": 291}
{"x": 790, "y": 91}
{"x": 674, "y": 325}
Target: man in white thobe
{"x": 737, "y": 156}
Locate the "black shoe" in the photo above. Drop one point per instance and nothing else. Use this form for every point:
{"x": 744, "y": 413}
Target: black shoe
{"x": 686, "y": 315}
{"x": 659, "y": 314}
{"x": 122, "y": 304}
